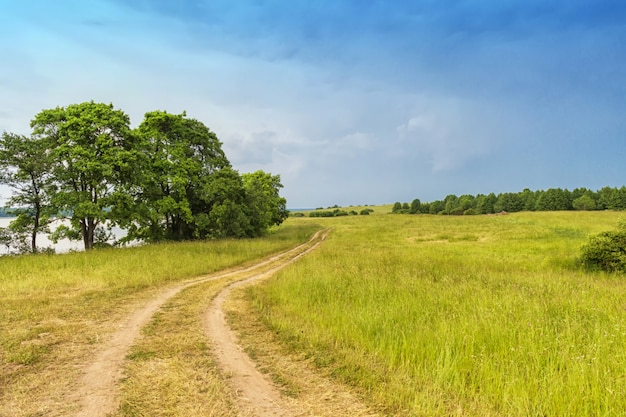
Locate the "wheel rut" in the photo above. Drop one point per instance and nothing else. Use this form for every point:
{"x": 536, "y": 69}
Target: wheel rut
{"x": 257, "y": 395}
{"x": 98, "y": 389}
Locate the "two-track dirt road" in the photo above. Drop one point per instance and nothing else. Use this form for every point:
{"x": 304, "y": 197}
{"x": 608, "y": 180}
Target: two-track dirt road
{"x": 98, "y": 389}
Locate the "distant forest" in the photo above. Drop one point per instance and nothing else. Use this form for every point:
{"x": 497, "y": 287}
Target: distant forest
{"x": 553, "y": 199}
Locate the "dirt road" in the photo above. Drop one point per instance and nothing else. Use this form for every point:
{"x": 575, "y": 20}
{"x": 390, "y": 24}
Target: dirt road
{"x": 98, "y": 390}
{"x": 257, "y": 394}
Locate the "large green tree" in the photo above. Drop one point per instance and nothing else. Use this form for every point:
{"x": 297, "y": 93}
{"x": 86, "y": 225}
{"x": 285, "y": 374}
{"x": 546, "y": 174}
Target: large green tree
{"x": 94, "y": 153}
{"x": 25, "y": 167}
{"x": 179, "y": 158}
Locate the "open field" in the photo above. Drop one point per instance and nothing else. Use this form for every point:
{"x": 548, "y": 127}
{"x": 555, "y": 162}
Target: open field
{"x": 56, "y": 311}
{"x": 475, "y": 315}
{"x": 421, "y": 315}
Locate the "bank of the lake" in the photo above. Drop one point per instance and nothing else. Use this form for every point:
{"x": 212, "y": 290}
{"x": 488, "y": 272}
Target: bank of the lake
{"x": 62, "y": 246}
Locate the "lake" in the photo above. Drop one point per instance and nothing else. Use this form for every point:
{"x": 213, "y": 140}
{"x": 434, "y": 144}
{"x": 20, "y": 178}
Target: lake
{"x": 62, "y": 246}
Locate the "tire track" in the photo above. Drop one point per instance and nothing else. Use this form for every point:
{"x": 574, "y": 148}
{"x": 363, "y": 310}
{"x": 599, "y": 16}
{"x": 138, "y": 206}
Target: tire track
{"x": 257, "y": 395}
{"x": 98, "y": 389}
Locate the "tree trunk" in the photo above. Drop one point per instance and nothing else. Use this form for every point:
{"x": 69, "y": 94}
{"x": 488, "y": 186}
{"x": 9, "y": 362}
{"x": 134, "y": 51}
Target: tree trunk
{"x": 88, "y": 227}
{"x": 36, "y": 225}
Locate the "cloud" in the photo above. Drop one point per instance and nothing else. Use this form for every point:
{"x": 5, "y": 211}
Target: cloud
{"x": 257, "y": 148}
{"x": 344, "y": 98}
{"x": 447, "y": 133}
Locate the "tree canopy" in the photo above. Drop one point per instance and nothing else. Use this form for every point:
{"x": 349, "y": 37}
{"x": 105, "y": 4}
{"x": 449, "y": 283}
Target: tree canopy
{"x": 25, "y": 166}
{"x": 552, "y": 199}
{"x": 168, "y": 179}
{"x": 92, "y": 151}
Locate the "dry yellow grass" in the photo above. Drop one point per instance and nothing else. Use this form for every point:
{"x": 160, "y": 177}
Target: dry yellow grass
{"x": 171, "y": 371}
{"x": 55, "y": 311}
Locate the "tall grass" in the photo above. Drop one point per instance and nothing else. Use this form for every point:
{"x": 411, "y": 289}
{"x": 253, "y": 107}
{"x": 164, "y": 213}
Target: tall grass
{"x": 481, "y": 315}
{"x": 53, "y": 309}
{"x": 37, "y": 288}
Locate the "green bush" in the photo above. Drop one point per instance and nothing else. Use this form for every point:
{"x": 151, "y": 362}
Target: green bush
{"x": 328, "y": 213}
{"x": 321, "y": 213}
{"x": 606, "y": 251}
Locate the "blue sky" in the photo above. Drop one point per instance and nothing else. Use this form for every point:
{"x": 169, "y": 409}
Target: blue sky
{"x": 350, "y": 101}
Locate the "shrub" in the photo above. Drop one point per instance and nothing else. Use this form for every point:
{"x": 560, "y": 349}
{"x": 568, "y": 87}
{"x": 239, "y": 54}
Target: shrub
{"x": 606, "y": 251}
{"x": 328, "y": 213}
{"x": 321, "y": 213}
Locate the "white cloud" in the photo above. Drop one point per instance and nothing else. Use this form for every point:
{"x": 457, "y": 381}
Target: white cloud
{"x": 448, "y": 133}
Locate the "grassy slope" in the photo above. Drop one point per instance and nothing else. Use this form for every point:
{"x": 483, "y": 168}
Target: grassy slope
{"x": 54, "y": 310}
{"x": 476, "y": 315}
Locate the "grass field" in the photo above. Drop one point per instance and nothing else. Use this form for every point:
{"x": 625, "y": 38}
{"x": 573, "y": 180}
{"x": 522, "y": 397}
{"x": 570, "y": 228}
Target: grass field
{"x": 469, "y": 315}
{"x": 425, "y": 315}
{"x": 55, "y": 310}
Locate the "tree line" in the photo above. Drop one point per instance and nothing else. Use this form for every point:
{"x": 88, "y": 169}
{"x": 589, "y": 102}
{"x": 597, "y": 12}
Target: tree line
{"x": 167, "y": 179}
{"x": 552, "y": 199}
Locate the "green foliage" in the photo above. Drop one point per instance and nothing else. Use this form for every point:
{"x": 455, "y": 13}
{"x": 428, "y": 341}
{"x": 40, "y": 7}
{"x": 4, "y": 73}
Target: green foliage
{"x": 485, "y": 203}
{"x": 169, "y": 179}
{"x": 584, "y": 202}
{"x": 25, "y": 167}
{"x": 606, "y": 251}
{"x": 553, "y": 199}
{"x": 509, "y": 202}
{"x": 404, "y": 208}
{"x": 436, "y": 207}
{"x": 329, "y": 213}
{"x": 92, "y": 150}
{"x": 176, "y": 183}
{"x": 415, "y": 206}
{"x": 321, "y": 213}
{"x": 265, "y": 207}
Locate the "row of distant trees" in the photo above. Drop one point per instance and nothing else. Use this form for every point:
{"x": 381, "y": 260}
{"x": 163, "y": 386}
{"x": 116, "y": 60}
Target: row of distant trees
{"x": 167, "y": 179}
{"x": 553, "y": 199}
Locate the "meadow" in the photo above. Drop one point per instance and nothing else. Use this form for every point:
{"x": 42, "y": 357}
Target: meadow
{"x": 459, "y": 315}
{"x": 424, "y": 315}
{"x": 56, "y": 309}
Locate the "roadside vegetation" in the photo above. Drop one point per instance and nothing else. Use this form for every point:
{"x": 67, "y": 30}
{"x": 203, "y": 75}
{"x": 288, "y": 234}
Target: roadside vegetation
{"x": 459, "y": 315}
{"x": 55, "y": 310}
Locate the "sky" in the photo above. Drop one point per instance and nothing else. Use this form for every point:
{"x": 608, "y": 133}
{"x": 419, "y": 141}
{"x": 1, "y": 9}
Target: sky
{"x": 351, "y": 102}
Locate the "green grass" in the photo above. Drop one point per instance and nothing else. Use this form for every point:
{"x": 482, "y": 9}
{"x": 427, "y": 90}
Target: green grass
{"x": 475, "y": 315}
